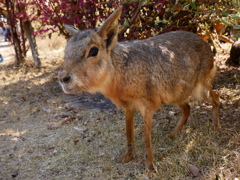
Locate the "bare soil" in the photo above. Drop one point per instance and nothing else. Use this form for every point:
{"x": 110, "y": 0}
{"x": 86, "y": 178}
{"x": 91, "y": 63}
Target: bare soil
{"x": 45, "y": 134}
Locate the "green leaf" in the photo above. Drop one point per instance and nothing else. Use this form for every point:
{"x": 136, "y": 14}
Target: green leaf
{"x": 225, "y": 14}
{"x": 212, "y": 10}
{"x": 235, "y": 16}
{"x": 131, "y": 1}
{"x": 144, "y": 2}
{"x": 227, "y": 22}
{"x": 126, "y": 22}
{"x": 167, "y": 9}
{"x": 193, "y": 5}
{"x": 237, "y": 2}
{"x": 236, "y": 26}
{"x": 186, "y": 7}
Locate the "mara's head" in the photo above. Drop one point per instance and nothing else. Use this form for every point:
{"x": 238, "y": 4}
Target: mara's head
{"x": 87, "y": 56}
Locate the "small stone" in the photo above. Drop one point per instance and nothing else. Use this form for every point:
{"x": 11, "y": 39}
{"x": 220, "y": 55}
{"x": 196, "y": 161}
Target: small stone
{"x": 15, "y": 174}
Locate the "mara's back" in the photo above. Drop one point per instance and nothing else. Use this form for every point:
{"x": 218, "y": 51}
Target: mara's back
{"x": 180, "y": 50}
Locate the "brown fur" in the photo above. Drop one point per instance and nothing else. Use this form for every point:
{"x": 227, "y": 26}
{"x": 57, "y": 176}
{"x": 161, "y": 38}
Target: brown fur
{"x": 141, "y": 75}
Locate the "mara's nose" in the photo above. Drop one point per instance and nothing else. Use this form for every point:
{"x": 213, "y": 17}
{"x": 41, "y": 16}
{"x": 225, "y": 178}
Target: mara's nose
{"x": 64, "y": 77}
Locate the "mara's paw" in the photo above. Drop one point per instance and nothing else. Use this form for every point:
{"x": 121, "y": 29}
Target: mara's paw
{"x": 217, "y": 127}
{"x": 126, "y": 158}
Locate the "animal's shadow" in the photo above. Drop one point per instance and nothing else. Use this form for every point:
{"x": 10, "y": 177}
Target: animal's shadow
{"x": 89, "y": 101}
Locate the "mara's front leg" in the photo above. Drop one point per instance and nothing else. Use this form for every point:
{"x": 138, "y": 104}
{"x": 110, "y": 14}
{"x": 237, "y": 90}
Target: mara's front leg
{"x": 148, "y": 115}
{"x": 128, "y": 156}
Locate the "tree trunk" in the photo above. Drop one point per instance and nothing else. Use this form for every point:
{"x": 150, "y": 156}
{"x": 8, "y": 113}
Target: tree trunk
{"x": 32, "y": 41}
{"x": 19, "y": 54}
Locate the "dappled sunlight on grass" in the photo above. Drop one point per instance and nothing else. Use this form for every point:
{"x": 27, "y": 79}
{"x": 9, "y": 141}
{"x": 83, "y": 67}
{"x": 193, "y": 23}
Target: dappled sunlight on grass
{"x": 189, "y": 146}
{"x": 15, "y": 134}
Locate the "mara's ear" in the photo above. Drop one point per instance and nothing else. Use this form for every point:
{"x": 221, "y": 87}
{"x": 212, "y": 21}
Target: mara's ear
{"x": 109, "y": 29}
{"x": 71, "y": 29}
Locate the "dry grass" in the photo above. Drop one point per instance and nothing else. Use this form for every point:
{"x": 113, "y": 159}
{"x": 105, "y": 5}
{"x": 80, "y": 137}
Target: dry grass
{"x": 41, "y": 137}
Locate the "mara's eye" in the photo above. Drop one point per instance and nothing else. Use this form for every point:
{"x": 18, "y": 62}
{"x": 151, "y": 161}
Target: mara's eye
{"x": 93, "y": 52}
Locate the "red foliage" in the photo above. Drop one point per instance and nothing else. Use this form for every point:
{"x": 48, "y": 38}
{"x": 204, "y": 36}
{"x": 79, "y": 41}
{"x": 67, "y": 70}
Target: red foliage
{"x": 140, "y": 18}
{"x": 56, "y": 13}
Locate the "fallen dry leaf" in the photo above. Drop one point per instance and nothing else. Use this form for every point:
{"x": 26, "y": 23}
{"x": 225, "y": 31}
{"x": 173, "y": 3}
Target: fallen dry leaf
{"x": 53, "y": 126}
{"x": 67, "y": 120}
{"x": 76, "y": 141}
{"x": 50, "y": 149}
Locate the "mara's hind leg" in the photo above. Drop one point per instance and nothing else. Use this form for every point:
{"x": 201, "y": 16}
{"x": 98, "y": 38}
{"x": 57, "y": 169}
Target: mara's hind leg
{"x": 207, "y": 94}
{"x": 185, "y": 108}
{"x": 213, "y": 98}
